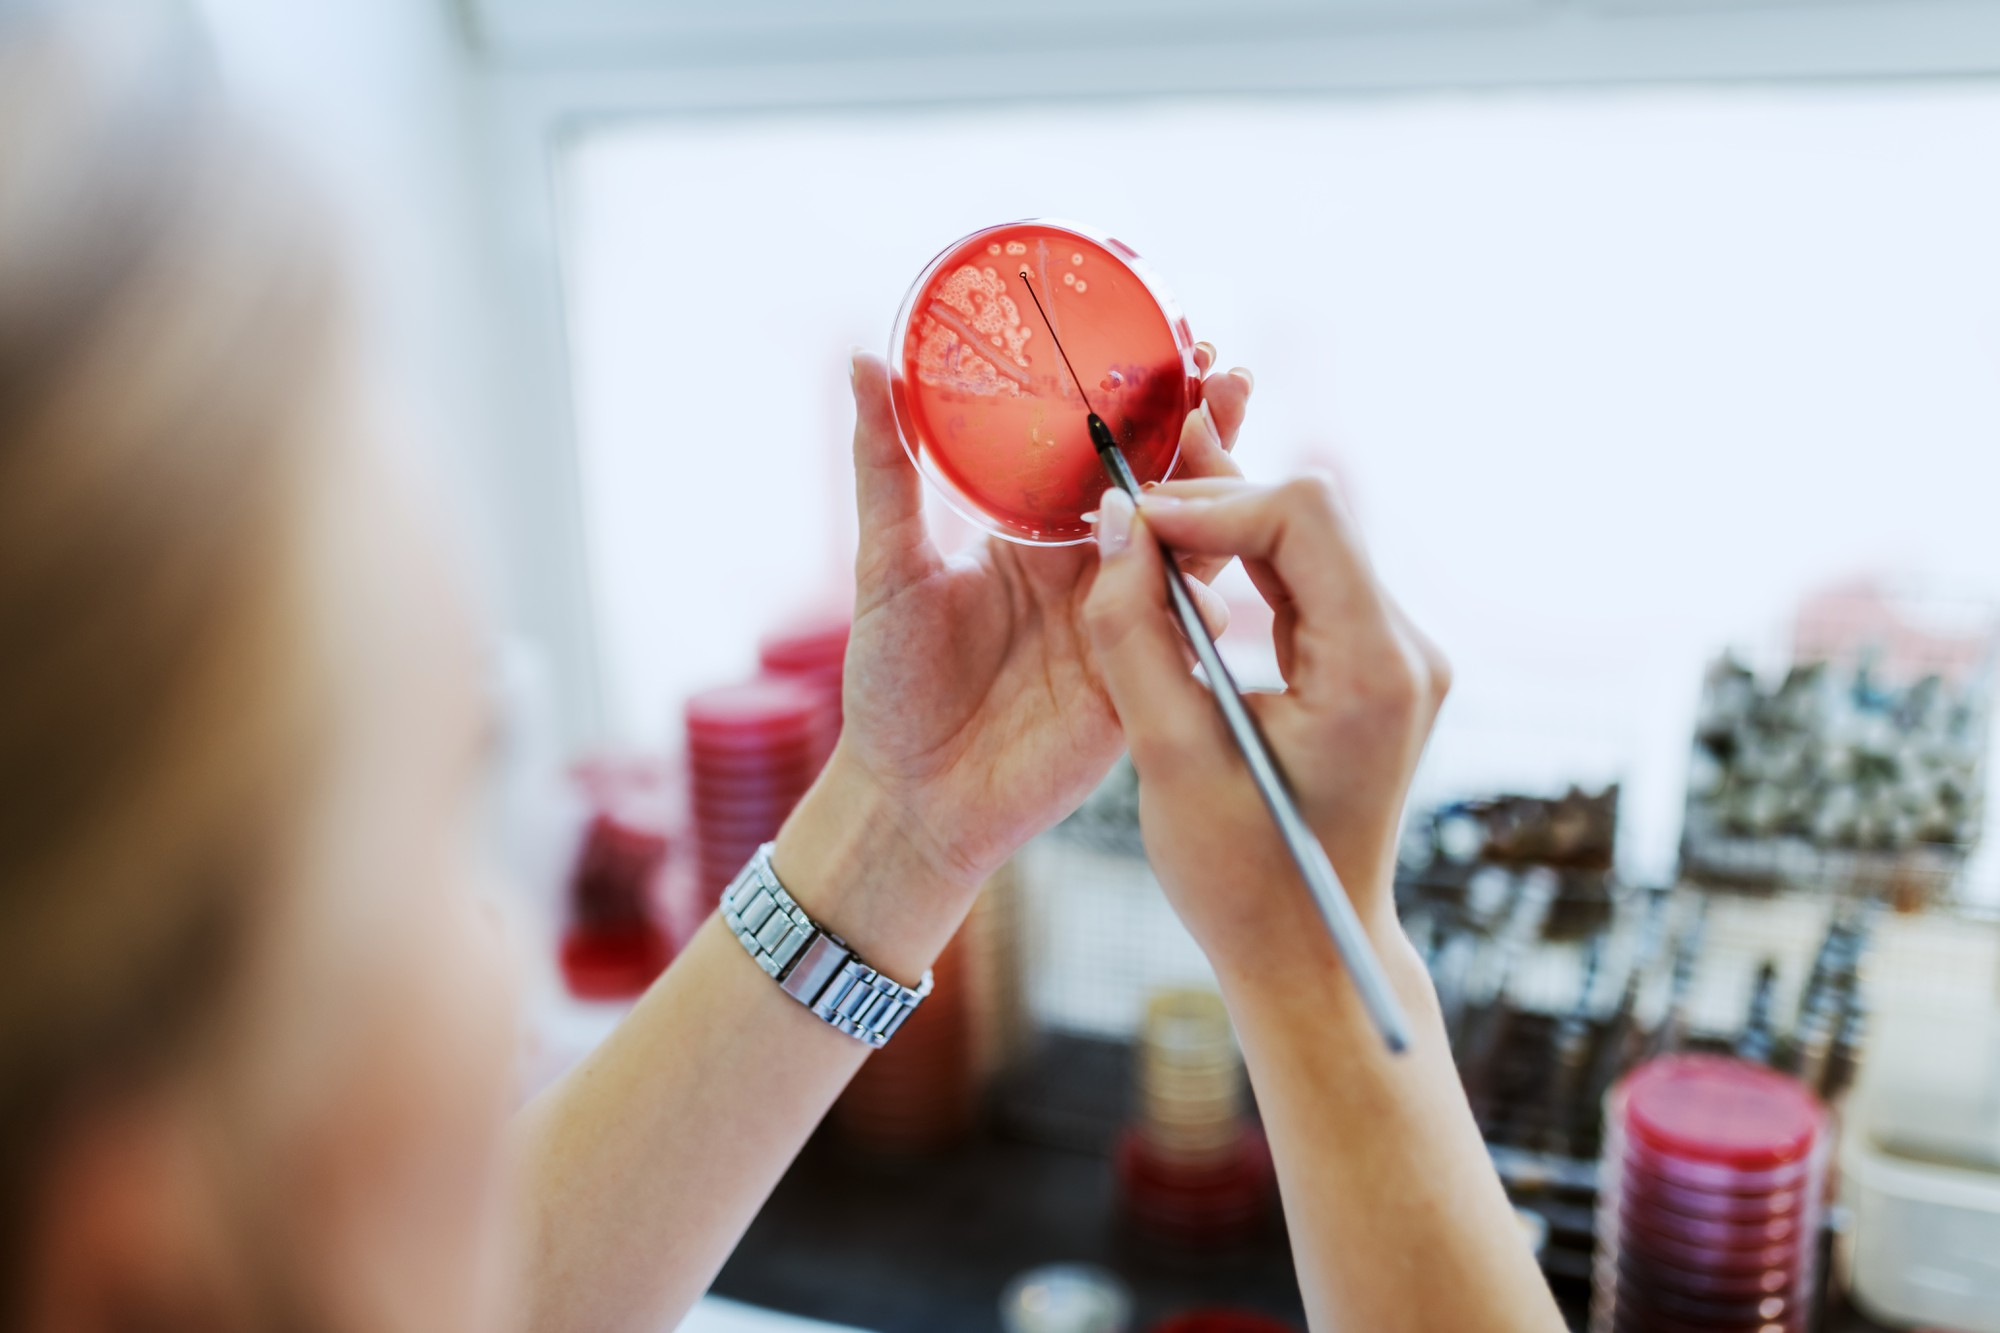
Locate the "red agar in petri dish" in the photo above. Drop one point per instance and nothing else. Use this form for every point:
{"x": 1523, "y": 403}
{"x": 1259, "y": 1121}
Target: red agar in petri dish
{"x": 984, "y": 403}
{"x": 1722, "y": 1112}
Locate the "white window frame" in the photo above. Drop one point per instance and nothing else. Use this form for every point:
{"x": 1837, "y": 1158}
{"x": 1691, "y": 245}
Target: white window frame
{"x": 546, "y": 70}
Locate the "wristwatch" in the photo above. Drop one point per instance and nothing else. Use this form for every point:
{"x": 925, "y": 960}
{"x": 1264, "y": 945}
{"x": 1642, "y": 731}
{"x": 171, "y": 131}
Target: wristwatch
{"x": 809, "y": 962}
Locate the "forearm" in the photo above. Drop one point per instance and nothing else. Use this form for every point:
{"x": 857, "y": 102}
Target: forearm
{"x": 1397, "y": 1219}
{"x": 646, "y": 1163}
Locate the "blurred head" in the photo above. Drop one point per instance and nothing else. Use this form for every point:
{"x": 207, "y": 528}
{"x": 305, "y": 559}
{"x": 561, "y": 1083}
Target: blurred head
{"x": 254, "y": 1038}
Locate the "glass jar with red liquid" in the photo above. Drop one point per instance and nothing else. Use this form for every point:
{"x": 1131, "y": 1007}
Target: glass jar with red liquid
{"x": 614, "y": 943}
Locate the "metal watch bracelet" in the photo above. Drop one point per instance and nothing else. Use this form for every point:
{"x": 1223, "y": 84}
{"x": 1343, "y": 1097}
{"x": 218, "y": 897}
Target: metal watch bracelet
{"x": 809, "y": 962}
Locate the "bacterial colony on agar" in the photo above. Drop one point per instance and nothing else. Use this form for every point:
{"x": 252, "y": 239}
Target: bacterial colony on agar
{"x": 985, "y": 405}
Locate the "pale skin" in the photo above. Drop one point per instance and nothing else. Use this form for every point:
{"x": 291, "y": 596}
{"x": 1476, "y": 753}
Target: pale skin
{"x": 973, "y": 721}
{"x": 356, "y": 1121}
{"x": 1396, "y": 1218}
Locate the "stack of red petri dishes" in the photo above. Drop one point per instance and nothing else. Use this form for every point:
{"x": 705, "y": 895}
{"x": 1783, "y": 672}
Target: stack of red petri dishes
{"x": 613, "y": 944}
{"x": 812, "y": 650}
{"x": 753, "y": 749}
{"x": 1709, "y": 1209}
{"x": 919, "y": 1094}
{"x": 1193, "y": 1171}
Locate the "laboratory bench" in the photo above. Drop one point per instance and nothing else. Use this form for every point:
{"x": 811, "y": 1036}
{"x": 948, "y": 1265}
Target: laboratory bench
{"x": 927, "y": 1244}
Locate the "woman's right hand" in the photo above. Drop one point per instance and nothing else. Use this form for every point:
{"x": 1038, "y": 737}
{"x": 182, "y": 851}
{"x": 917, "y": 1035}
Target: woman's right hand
{"x": 1396, "y": 1218}
{"x": 1363, "y": 687}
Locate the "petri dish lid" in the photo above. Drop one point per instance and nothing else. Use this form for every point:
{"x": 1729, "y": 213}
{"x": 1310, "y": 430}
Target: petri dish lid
{"x": 1642, "y": 1271}
{"x": 1708, "y": 1258}
{"x": 1715, "y": 1233}
{"x": 770, "y": 706}
{"x": 985, "y": 405}
{"x": 1740, "y": 1313}
{"x": 1720, "y": 1110}
{"x": 1642, "y": 1164}
{"x": 1656, "y": 1322}
{"x": 755, "y": 756}
{"x": 1658, "y": 1192}
{"x": 811, "y": 643}
{"x": 743, "y": 796}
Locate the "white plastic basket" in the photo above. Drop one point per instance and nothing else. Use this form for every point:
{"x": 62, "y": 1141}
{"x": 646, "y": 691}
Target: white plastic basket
{"x": 1923, "y": 1242}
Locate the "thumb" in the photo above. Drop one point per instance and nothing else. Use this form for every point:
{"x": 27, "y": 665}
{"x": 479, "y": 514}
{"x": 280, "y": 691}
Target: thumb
{"x": 1139, "y": 654}
{"x": 895, "y": 546}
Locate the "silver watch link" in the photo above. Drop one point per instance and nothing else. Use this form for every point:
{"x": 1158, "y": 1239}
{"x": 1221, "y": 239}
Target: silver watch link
{"x": 809, "y": 962}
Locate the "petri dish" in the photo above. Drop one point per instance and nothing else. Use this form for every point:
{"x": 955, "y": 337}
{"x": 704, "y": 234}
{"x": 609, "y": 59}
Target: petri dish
{"x": 1707, "y": 1259}
{"x": 753, "y": 713}
{"x": 985, "y": 405}
{"x": 813, "y": 647}
{"x": 1653, "y": 1191}
{"x": 1716, "y": 1179}
{"x": 1722, "y": 1112}
{"x": 1746, "y": 1313}
{"x": 1712, "y": 1234}
{"x": 1644, "y": 1271}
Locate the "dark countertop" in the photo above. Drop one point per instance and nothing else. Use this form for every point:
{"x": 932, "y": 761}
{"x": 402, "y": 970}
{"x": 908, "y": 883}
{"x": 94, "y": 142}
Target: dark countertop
{"x": 921, "y": 1247}
{"x": 925, "y": 1246}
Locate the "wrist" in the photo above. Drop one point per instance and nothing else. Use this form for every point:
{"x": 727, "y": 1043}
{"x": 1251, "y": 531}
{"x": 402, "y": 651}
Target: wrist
{"x": 1294, "y": 969}
{"x": 862, "y": 866}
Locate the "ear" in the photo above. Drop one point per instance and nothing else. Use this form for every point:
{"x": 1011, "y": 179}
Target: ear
{"x": 123, "y": 1229}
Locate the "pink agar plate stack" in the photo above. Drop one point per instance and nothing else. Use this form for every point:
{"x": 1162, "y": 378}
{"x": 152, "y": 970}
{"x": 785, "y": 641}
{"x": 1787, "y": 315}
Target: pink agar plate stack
{"x": 753, "y": 749}
{"x": 1709, "y": 1208}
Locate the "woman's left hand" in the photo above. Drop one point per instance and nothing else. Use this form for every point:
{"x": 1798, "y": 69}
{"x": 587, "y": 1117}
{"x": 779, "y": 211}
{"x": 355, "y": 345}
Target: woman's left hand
{"x": 972, "y": 702}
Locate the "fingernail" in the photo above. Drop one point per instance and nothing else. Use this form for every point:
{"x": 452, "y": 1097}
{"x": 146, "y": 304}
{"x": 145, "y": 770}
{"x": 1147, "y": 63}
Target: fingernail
{"x": 1249, "y": 380}
{"x": 1088, "y": 516}
{"x": 1149, "y": 485}
{"x": 854, "y": 355}
{"x": 1114, "y": 523}
{"x": 1211, "y": 350}
{"x": 1160, "y": 502}
{"x": 1208, "y": 419}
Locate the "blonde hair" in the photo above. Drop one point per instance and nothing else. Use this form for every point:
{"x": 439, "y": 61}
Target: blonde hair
{"x": 166, "y": 314}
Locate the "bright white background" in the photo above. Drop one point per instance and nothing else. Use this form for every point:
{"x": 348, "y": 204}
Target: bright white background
{"x": 1613, "y": 377}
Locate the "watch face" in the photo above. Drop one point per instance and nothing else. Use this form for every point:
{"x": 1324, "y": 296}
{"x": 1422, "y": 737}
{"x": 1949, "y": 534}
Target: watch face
{"x": 988, "y": 407}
